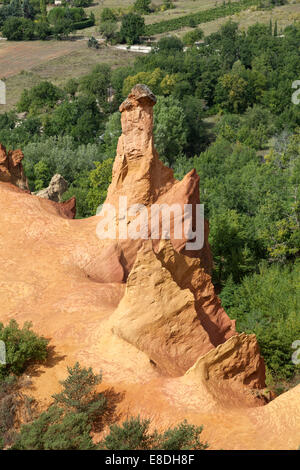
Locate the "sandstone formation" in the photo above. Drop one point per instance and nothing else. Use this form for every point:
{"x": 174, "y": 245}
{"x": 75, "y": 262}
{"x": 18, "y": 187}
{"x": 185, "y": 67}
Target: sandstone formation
{"x": 144, "y": 312}
{"x": 11, "y": 169}
{"x": 57, "y": 187}
{"x": 162, "y": 318}
{"x": 236, "y": 361}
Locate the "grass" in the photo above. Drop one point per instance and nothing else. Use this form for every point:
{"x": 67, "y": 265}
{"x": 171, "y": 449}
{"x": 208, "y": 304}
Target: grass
{"x": 36, "y": 62}
{"x": 182, "y": 8}
{"x": 284, "y": 15}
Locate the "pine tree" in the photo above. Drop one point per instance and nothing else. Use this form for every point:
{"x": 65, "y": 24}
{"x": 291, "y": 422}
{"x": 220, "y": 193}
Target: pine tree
{"x": 275, "y": 29}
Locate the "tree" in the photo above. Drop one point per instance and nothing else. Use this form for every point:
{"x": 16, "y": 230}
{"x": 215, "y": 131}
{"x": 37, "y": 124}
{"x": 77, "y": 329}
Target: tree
{"x": 142, "y": 6}
{"x": 192, "y": 36}
{"x": 18, "y": 29}
{"x": 170, "y": 129}
{"x": 108, "y": 15}
{"x": 42, "y": 30}
{"x": 78, "y": 394}
{"x": 96, "y": 84}
{"x": 43, "y": 9}
{"x": 43, "y": 95}
{"x": 68, "y": 422}
{"x": 100, "y": 179}
{"x": 28, "y": 10}
{"x": 79, "y": 118}
{"x": 108, "y": 29}
{"x": 132, "y": 28}
{"x": 169, "y": 44}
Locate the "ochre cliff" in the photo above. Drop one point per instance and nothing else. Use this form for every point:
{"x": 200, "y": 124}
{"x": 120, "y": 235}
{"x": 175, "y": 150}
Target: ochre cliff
{"x": 144, "y": 312}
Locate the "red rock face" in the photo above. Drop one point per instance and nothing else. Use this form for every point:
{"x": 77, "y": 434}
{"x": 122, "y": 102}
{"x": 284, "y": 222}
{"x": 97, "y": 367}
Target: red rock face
{"x": 11, "y": 169}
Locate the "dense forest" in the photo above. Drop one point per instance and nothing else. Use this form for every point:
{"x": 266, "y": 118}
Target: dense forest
{"x": 225, "y": 108}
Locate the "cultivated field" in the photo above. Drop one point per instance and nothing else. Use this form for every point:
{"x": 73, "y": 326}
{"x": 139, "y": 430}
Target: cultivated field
{"x": 24, "y": 64}
{"x": 183, "y": 7}
{"x": 284, "y": 15}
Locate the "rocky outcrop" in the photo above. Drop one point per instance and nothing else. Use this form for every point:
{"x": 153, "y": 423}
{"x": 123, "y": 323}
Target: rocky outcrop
{"x": 160, "y": 313}
{"x": 237, "y": 362}
{"x": 11, "y": 169}
{"x": 57, "y": 187}
{"x": 175, "y": 316}
{"x": 139, "y": 175}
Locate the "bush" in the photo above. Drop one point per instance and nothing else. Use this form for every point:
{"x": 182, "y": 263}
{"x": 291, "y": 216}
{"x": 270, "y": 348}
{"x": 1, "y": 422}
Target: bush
{"x": 134, "y": 434}
{"x": 192, "y": 36}
{"x": 18, "y": 29}
{"x": 22, "y": 346}
{"x": 142, "y": 6}
{"x": 67, "y": 423}
{"x": 108, "y": 29}
{"x": 93, "y": 43}
{"x": 108, "y": 15}
{"x": 45, "y": 94}
{"x": 169, "y": 44}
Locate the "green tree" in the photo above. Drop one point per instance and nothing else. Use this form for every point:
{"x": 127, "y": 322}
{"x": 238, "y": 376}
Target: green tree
{"x": 192, "y": 36}
{"x": 42, "y": 30}
{"x": 68, "y": 422}
{"x": 96, "y": 84}
{"x": 18, "y": 29}
{"x": 108, "y": 29}
{"x": 42, "y": 175}
{"x": 170, "y": 128}
{"x": 107, "y": 14}
{"x": 132, "y": 28}
{"x": 142, "y": 6}
{"x": 78, "y": 394}
{"x": 43, "y": 9}
{"x": 22, "y": 346}
{"x": 43, "y": 95}
{"x": 100, "y": 179}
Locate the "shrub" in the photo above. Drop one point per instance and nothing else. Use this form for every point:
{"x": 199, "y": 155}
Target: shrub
{"x": 93, "y": 43}
{"x": 192, "y": 36}
{"x": 18, "y": 29}
{"x": 134, "y": 434}
{"x": 108, "y": 15}
{"x": 45, "y": 94}
{"x": 22, "y": 346}
{"x": 142, "y": 6}
{"x": 67, "y": 423}
{"x": 78, "y": 395}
